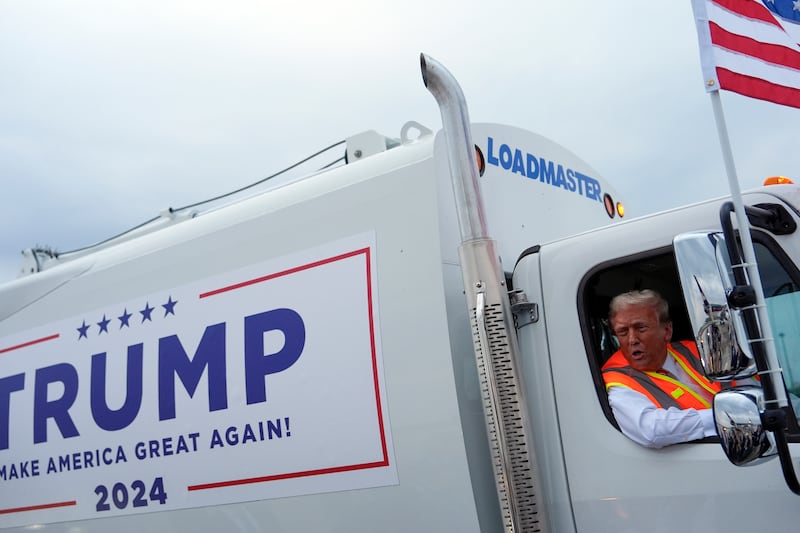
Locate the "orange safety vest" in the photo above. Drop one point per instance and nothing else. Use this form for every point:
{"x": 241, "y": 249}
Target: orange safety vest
{"x": 662, "y": 390}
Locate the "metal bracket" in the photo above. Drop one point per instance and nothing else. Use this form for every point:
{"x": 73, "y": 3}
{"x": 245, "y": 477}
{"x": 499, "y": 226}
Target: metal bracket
{"x": 525, "y": 312}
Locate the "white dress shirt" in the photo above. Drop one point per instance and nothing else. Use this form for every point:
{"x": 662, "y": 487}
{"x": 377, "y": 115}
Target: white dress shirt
{"x": 643, "y": 422}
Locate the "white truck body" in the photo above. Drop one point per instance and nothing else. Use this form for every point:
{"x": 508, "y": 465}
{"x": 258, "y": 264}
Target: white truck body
{"x": 325, "y": 322}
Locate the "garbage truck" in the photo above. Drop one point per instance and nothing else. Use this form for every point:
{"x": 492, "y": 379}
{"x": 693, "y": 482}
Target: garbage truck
{"x": 411, "y": 341}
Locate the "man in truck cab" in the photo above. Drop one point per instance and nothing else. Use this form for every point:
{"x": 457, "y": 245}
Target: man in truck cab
{"x": 656, "y": 388}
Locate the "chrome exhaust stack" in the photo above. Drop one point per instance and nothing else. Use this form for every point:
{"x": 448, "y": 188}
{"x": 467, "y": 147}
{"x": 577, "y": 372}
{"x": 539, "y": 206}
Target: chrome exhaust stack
{"x": 460, "y": 148}
{"x": 493, "y": 332}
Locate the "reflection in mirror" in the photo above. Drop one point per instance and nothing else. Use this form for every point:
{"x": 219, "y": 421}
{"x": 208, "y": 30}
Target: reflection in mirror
{"x": 716, "y": 329}
{"x": 737, "y": 414}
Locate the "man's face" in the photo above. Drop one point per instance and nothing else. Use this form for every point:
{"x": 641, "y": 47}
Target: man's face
{"x": 642, "y": 338}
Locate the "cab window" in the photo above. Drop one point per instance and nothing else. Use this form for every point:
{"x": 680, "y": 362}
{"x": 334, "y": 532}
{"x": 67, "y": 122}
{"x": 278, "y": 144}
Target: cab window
{"x": 657, "y": 270}
{"x": 781, "y": 284}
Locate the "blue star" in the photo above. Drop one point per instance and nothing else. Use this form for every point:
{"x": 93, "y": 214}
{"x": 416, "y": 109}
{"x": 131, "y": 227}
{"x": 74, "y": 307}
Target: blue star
{"x": 146, "y": 312}
{"x": 169, "y": 307}
{"x": 82, "y": 330}
{"x": 103, "y": 324}
{"x": 123, "y": 320}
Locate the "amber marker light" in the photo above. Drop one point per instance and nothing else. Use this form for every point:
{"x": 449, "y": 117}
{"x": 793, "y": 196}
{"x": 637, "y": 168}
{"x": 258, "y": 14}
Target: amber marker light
{"x": 479, "y": 159}
{"x": 778, "y": 180}
{"x": 620, "y": 209}
{"x": 609, "y": 203}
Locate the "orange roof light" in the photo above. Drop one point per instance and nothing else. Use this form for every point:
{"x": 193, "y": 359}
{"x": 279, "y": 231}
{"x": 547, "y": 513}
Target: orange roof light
{"x": 778, "y": 180}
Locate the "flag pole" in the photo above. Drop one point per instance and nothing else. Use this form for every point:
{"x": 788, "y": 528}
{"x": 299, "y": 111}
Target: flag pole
{"x": 747, "y": 245}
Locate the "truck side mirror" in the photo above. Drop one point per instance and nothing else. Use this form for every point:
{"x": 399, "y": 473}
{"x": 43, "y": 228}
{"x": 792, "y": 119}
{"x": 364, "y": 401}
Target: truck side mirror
{"x": 705, "y": 274}
{"x": 737, "y": 414}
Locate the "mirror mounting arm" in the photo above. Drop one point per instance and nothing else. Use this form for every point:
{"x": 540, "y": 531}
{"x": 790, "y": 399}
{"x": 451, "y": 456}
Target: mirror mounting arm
{"x": 743, "y": 291}
{"x": 786, "y": 461}
{"x": 742, "y": 296}
{"x": 771, "y": 217}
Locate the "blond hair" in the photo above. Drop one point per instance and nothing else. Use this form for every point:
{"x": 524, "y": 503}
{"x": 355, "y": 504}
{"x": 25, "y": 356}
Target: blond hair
{"x": 645, "y": 297}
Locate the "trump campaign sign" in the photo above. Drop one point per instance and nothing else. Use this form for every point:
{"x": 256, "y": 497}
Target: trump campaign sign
{"x": 258, "y": 383}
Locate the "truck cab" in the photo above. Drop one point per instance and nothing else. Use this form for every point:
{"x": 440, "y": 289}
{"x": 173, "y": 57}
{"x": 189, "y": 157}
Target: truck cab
{"x": 612, "y": 482}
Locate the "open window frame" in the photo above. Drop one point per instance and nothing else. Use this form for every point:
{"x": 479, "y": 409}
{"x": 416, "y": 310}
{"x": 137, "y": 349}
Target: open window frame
{"x": 657, "y": 269}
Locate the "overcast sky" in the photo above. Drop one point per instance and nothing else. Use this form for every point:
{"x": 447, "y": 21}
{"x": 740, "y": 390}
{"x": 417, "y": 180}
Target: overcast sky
{"x": 113, "y": 111}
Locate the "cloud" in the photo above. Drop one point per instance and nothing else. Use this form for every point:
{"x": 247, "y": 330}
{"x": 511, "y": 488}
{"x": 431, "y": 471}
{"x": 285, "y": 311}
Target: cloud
{"x": 116, "y": 111}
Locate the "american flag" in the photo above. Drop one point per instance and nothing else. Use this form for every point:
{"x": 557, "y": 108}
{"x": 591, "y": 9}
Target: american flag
{"x": 751, "y": 47}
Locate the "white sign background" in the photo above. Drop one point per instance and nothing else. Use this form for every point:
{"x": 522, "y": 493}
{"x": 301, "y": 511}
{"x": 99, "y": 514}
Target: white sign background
{"x": 323, "y": 426}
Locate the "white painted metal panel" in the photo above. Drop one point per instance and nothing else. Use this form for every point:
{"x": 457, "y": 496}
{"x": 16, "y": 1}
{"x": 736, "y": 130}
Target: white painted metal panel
{"x": 392, "y": 195}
